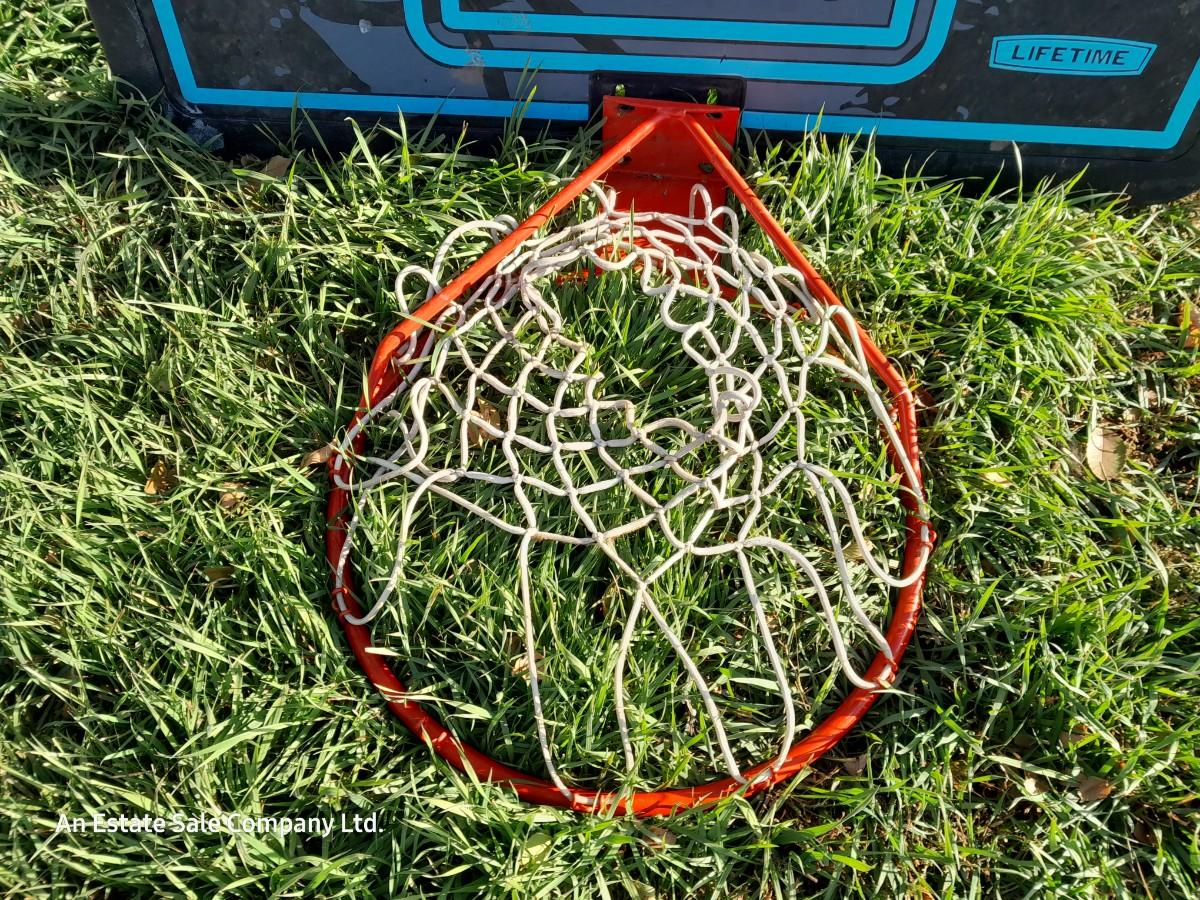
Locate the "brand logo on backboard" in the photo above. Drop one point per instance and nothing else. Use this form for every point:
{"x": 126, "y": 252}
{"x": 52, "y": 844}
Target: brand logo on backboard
{"x": 1060, "y": 54}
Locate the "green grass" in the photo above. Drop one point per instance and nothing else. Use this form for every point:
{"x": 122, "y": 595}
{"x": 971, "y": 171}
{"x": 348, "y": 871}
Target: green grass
{"x": 161, "y": 305}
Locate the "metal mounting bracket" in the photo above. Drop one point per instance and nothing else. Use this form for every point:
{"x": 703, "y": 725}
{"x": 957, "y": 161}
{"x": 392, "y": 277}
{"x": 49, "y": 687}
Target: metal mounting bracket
{"x": 658, "y": 174}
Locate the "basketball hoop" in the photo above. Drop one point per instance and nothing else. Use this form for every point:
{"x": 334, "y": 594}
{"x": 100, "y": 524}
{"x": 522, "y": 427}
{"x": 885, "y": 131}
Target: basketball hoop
{"x": 752, "y": 327}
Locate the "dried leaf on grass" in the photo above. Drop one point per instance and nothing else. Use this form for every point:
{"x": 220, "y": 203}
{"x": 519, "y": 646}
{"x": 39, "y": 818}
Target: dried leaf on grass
{"x": 520, "y": 665}
{"x": 218, "y": 574}
{"x": 1105, "y": 453}
{"x": 1077, "y": 733}
{"x": 1034, "y": 786}
{"x": 318, "y": 457}
{"x": 477, "y": 434}
{"x": 277, "y": 166}
{"x": 856, "y": 765}
{"x": 853, "y": 553}
{"x": 999, "y": 479}
{"x": 1143, "y": 832}
{"x": 923, "y": 398}
{"x": 232, "y": 501}
{"x": 1091, "y": 788}
{"x": 659, "y": 839}
{"x": 162, "y": 479}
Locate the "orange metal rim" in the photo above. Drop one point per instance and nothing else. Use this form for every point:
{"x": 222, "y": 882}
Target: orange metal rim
{"x": 383, "y": 377}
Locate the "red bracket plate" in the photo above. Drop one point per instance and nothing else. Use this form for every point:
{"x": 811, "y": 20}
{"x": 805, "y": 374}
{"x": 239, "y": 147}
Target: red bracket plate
{"x": 658, "y": 174}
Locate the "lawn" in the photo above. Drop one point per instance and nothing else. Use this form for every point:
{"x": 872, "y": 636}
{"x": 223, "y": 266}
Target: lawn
{"x": 180, "y": 332}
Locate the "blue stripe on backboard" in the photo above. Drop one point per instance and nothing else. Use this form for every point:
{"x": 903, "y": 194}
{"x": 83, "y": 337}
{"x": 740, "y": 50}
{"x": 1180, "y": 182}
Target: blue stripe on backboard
{"x": 890, "y": 36}
{"x": 1069, "y": 135}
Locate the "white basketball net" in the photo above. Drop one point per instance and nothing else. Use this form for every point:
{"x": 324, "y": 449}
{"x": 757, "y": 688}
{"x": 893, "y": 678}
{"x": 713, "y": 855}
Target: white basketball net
{"x": 749, "y": 321}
